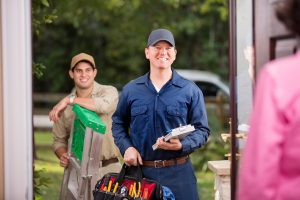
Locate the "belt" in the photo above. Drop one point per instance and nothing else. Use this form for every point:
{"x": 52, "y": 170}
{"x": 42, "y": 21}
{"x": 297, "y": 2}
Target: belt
{"x": 109, "y": 161}
{"x": 165, "y": 163}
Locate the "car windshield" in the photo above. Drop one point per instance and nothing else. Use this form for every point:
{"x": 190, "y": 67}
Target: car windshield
{"x": 208, "y": 89}
{"x": 210, "y": 83}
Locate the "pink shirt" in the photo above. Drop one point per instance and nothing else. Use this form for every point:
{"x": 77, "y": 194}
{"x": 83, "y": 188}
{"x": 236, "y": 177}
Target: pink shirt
{"x": 270, "y": 166}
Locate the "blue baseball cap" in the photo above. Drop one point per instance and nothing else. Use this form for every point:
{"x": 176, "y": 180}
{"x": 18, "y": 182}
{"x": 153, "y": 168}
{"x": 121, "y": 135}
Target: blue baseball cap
{"x": 160, "y": 35}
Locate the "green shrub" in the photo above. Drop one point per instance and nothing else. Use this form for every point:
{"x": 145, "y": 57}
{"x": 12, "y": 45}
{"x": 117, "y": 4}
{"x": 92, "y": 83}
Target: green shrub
{"x": 40, "y": 182}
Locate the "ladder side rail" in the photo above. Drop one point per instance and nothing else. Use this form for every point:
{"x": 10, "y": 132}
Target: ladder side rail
{"x": 85, "y": 177}
{"x": 67, "y": 170}
{"x": 95, "y": 160}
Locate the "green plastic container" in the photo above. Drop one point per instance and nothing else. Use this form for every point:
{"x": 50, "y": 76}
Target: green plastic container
{"x": 84, "y": 118}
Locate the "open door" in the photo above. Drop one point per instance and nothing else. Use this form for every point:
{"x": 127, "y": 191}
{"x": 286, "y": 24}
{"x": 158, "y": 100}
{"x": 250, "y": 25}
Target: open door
{"x": 254, "y": 30}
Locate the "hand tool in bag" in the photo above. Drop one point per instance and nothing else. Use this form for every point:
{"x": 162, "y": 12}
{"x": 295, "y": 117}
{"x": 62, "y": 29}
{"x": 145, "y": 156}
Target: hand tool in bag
{"x": 126, "y": 185}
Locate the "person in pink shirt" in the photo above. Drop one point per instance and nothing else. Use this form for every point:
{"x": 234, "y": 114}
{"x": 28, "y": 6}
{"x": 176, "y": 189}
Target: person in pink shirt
{"x": 270, "y": 165}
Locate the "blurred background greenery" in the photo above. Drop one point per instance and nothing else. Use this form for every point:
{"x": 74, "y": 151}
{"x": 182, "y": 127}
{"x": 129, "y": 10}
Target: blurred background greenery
{"x": 115, "y": 32}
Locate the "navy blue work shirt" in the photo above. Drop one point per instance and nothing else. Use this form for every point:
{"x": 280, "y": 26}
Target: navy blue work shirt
{"x": 143, "y": 115}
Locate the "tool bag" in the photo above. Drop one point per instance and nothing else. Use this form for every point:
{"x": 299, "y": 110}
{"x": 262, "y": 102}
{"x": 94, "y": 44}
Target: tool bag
{"x": 126, "y": 185}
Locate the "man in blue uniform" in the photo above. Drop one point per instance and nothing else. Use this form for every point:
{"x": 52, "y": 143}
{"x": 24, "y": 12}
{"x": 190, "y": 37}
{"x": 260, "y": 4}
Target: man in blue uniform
{"x": 151, "y": 105}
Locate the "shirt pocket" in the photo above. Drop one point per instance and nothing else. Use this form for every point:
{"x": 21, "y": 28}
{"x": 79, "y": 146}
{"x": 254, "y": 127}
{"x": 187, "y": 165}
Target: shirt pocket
{"x": 139, "y": 118}
{"x": 173, "y": 111}
{"x": 139, "y": 110}
{"x": 175, "y": 116}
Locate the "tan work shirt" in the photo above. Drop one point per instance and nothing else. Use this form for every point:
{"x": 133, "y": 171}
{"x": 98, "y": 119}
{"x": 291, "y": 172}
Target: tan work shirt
{"x": 106, "y": 98}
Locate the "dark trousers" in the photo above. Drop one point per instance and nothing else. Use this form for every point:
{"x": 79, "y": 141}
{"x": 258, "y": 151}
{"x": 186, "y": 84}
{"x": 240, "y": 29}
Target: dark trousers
{"x": 179, "y": 178}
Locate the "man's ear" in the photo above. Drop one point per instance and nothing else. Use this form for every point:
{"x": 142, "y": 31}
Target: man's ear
{"x": 71, "y": 74}
{"x": 147, "y": 53}
{"x": 95, "y": 72}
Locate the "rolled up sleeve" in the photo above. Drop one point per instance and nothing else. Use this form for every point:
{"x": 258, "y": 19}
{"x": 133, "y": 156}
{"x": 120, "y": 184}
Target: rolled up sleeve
{"x": 60, "y": 135}
{"x": 106, "y": 100}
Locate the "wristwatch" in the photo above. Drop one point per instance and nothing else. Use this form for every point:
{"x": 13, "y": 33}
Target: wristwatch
{"x": 72, "y": 100}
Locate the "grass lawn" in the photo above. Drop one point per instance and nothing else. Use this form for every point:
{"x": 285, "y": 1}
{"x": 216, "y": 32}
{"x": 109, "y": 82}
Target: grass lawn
{"x": 48, "y": 161}
{"x": 205, "y": 182}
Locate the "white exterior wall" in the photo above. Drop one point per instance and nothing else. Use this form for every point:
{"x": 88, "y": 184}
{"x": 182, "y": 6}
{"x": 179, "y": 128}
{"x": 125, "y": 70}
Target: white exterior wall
{"x": 17, "y": 98}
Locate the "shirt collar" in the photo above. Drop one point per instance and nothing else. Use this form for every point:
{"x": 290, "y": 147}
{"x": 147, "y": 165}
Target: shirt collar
{"x": 94, "y": 92}
{"x": 143, "y": 79}
{"x": 175, "y": 80}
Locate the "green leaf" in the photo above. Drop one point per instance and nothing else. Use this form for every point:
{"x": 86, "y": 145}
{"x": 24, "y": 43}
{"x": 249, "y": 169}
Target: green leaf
{"x": 45, "y": 3}
{"x": 38, "y": 71}
{"x": 38, "y": 197}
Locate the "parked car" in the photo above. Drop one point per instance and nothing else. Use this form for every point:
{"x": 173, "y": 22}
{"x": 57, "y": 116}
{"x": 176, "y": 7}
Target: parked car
{"x": 210, "y": 83}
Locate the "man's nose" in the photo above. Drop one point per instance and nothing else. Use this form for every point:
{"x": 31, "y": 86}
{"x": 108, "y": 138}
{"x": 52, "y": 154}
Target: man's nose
{"x": 83, "y": 73}
{"x": 163, "y": 50}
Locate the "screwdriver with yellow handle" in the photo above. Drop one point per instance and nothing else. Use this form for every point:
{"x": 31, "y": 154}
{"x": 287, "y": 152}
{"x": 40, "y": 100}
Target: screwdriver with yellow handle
{"x": 116, "y": 187}
{"x": 109, "y": 186}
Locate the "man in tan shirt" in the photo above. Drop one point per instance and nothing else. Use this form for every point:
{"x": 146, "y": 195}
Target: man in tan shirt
{"x": 89, "y": 94}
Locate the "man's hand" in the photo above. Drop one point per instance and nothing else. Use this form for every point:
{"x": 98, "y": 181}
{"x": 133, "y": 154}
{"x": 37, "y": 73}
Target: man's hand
{"x": 132, "y": 156}
{"x": 173, "y": 144}
{"x": 64, "y": 160}
{"x": 55, "y": 112}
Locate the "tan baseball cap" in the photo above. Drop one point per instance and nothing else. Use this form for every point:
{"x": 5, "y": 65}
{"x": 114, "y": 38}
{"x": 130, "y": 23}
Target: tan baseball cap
{"x": 82, "y": 57}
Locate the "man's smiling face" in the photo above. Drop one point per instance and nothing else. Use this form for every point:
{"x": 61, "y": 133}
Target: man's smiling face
{"x": 161, "y": 55}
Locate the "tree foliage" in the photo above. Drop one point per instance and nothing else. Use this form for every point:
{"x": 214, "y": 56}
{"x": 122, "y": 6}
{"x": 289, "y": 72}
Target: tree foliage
{"x": 42, "y": 14}
{"x": 115, "y": 32}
